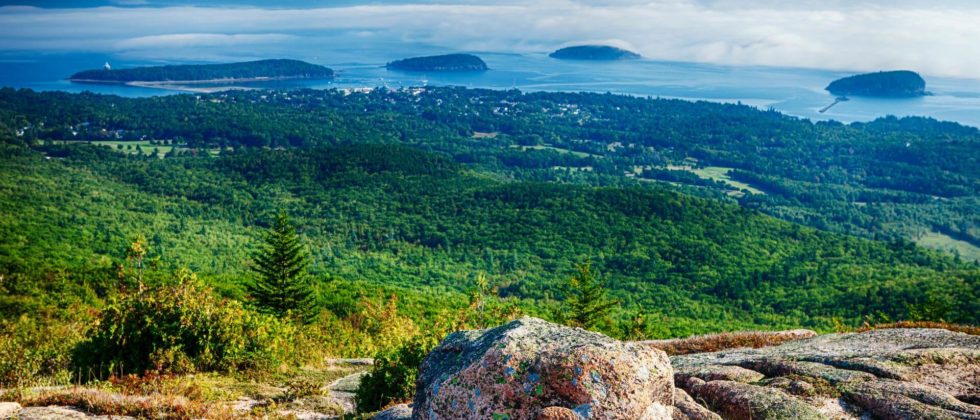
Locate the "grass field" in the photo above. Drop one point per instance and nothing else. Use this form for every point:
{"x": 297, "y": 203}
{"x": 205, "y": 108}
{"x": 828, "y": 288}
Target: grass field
{"x": 720, "y": 173}
{"x": 937, "y": 240}
{"x": 129, "y": 146}
{"x": 557, "y": 149}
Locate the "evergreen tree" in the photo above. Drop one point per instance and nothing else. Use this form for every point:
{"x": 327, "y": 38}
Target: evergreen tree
{"x": 282, "y": 287}
{"x": 587, "y": 304}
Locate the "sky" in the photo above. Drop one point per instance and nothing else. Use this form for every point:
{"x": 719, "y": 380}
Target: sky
{"x": 937, "y": 37}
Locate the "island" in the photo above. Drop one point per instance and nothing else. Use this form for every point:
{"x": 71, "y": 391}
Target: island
{"x": 175, "y": 75}
{"x": 884, "y": 84}
{"x": 442, "y": 63}
{"x": 594, "y": 53}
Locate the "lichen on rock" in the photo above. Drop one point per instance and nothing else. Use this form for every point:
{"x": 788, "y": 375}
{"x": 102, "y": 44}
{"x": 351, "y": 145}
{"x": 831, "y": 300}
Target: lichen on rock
{"x": 521, "y": 369}
{"x": 895, "y": 373}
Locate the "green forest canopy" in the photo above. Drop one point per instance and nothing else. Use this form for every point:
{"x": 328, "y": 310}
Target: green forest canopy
{"x": 887, "y": 179}
{"x": 391, "y": 216}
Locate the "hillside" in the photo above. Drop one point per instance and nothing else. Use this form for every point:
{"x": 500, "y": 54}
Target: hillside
{"x": 441, "y": 63}
{"x": 396, "y": 217}
{"x": 261, "y": 69}
{"x": 594, "y": 53}
{"x": 884, "y": 84}
{"x": 887, "y": 179}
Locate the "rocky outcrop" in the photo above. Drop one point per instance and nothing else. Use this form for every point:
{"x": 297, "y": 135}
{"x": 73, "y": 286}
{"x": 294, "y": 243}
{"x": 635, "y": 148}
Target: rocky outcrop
{"x": 895, "y": 373}
{"x": 61, "y": 413}
{"x": 9, "y": 409}
{"x": 685, "y": 408}
{"x": 396, "y": 412}
{"x": 530, "y": 369}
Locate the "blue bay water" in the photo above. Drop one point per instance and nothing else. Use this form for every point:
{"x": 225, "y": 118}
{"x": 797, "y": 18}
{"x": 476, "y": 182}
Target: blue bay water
{"x": 797, "y": 92}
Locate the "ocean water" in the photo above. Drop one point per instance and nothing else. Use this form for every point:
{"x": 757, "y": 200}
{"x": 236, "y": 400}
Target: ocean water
{"x": 797, "y": 92}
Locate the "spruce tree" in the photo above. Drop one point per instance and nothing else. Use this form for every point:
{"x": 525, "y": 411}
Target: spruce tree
{"x": 587, "y": 304}
{"x": 282, "y": 287}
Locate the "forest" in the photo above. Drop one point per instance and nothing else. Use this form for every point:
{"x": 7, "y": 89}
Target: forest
{"x": 398, "y": 217}
{"x": 887, "y": 179}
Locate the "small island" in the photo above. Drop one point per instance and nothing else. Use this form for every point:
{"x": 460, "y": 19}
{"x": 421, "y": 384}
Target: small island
{"x": 441, "y": 63}
{"x": 594, "y": 53}
{"x": 884, "y": 84}
{"x": 175, "y": 75}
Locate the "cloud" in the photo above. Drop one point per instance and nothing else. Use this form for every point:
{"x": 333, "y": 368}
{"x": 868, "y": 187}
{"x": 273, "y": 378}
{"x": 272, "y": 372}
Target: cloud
{"x": 201, "y": 40}
{"x": 934, "y": 37}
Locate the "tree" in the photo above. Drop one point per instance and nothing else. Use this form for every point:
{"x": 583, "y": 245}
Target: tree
{"x": 486, "y": 308}
{"x": 587, "y": 304}
{"x": 282, "y": 288}
{"x": 135, "y": 255}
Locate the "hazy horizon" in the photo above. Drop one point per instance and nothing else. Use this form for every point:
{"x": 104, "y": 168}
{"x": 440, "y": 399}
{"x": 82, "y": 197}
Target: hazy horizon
{"x": 933, "y": 38}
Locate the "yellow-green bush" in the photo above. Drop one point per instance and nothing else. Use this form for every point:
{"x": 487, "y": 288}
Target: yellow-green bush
{"x": 184, "y": 327}
{"x": 370, "y": 328}
{"x": 34, "y": 352}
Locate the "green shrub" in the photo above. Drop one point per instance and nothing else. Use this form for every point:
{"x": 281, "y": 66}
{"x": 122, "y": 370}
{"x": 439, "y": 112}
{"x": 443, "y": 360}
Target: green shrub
{"x": 34, "y": 353}
{"x": 184, "y": 327}
{"x": 392, "y": 380}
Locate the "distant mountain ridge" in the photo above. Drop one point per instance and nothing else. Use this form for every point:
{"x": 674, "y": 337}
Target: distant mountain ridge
{"x": 261, "y": 69}
{"x": 886, "y": 84}
{"x": 447, "y": 62}
{"x": 594, "y": 52}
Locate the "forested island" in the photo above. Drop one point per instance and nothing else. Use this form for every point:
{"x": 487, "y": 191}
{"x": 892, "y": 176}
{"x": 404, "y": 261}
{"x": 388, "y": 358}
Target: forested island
{"x": 272, "y": 69}
{"x": 884, "y": 84}
{"x": 594, "y": 53}
{"x": 440, "y": 63}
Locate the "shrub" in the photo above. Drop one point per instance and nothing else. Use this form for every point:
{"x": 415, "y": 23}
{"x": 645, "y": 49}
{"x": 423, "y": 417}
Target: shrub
{"x": 34, "y": 353}
{"x": 183, "y": 327}
{"x": 372, "y": 327}
{"x": 392, "y": 380}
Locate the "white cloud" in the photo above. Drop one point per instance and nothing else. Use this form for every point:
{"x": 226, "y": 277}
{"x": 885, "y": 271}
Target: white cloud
{"x": 201, "y": 40}
{"x": 936, "y": 38}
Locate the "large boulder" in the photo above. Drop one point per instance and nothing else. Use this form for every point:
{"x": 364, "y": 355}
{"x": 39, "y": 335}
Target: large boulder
{"x": 893, "y": 373}
{"x": 530, "y": 369}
